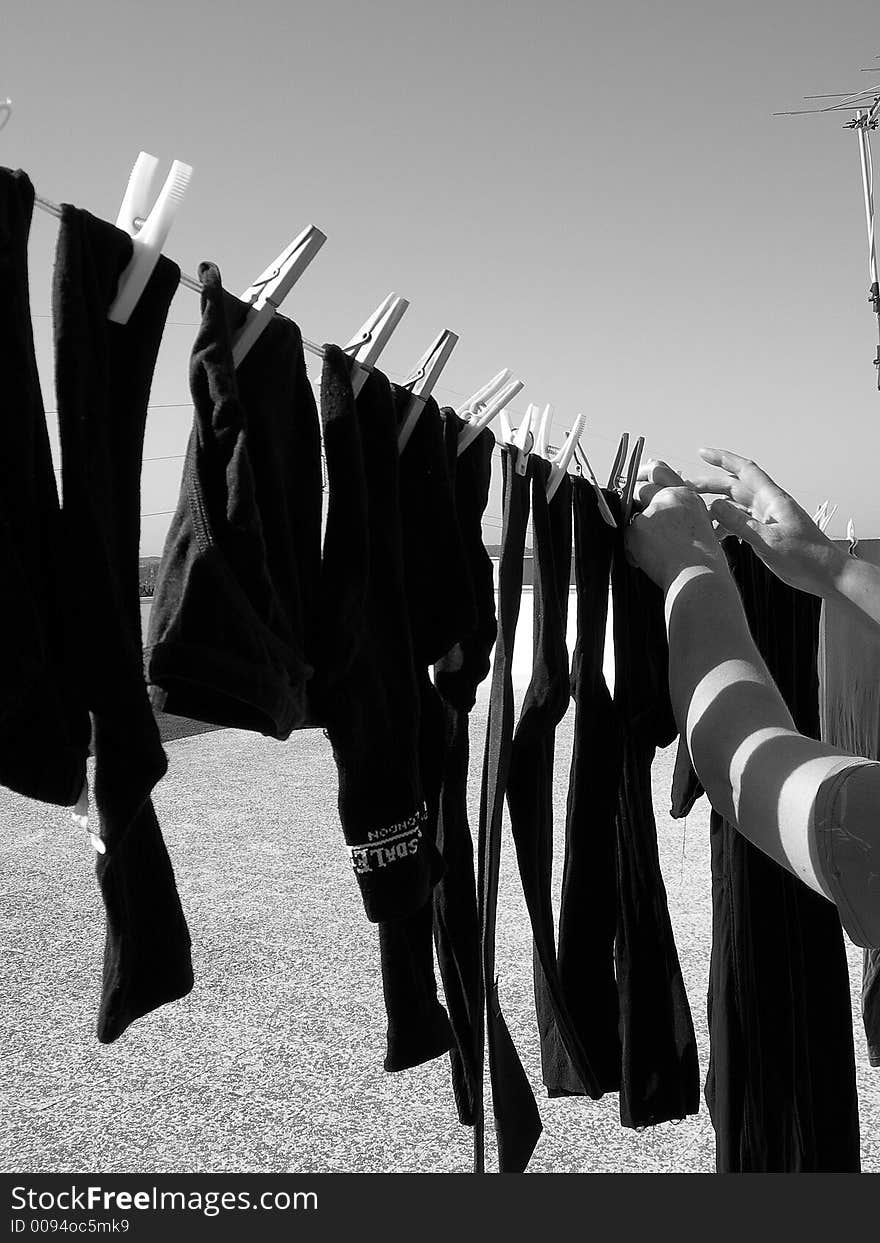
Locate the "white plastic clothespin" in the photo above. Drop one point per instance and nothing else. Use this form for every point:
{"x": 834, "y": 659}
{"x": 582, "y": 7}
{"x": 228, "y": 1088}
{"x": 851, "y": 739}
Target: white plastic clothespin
{"x": 614, "y": 479}
{"x": 523, "y": 441}
{"x": 632, "y": 476}
{"x": 821, "y": 510}
{"x": 542, "y": 439}
{"x": 559, "y": 464}
{"x": 365, "y": 347}
{"x": 421, "y": 381}
{"x": 148, "y": 227}
{"x": 586, "y": 469}
{"x": 270, "y": 289}
{"x": 478, "y": 401}
{"x": 5, "y": 111}
{"x": 470, "y": 433}
{"x": 505, "y": 426}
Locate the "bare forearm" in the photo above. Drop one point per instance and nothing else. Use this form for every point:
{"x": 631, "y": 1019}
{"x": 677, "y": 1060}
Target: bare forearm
{"x": 758, "y": 771}
{"x": 856, "y": 585}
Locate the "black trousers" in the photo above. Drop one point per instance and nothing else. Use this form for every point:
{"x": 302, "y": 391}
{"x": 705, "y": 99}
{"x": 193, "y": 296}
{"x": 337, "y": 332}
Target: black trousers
{"x": 781, "y": 1083}
{"x": 588, "y": 914}
{"x": 103, "y": 376}
{"x": 659, "y": 1067}
{"x": 517, "y": 1122}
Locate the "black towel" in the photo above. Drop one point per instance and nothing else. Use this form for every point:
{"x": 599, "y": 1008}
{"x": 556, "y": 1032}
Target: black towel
{"x": 233, "y": 613}
{"x": 103, "y": 376}
{"x": 44, "y": 726}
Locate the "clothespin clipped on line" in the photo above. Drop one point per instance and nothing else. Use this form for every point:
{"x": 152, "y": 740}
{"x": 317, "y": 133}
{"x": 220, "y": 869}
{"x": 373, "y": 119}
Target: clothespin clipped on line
{"x": 5, "y": 111}
{"x": 478, "y": 401}
{"x": 616, "y": 476}
{"x": 271, "y": 287}
{"x": 821, "y": 510}
{"x": 586, "y": 469}
{"x": 148, "y": 227}
{"x": 469, "y": 434}
{"x": 542, "y": 439}
{"x": 632, "y": 476}
{"x": 559, "y": 465}
{"x": 365, "y": 347}
{"x": 523, "y": 440}
{"x": 421, "y": 381}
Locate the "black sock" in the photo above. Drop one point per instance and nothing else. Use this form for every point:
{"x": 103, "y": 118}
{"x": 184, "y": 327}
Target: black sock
{"x": 441, "y": 609}
{"x": 103, "y": 376}
{"x": 44, "y": 726}
{"x": 364, "y": 689}
{"x": 233, "y": 612}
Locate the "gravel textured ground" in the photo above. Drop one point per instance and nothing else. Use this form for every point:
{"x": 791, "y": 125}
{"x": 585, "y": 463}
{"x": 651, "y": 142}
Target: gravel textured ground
{"x": 274, "y": 1062}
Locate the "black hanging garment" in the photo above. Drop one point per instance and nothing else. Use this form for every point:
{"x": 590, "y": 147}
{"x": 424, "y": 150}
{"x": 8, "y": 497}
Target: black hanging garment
{"x": 364, "y": 691}
{"x": 457, "y": 676}
{"x": 530, "y": 783}
{"x": 440, "y": 606}
{"x": 588, "y": 914}
{"x": 103, "y": 376}
{"x": 233, "y": 614}
{"x": 781, "y": 1084}
{"x": 44, "y": 726}
{"x": 517, "y": 1121}
{"x": 659, "y": 1068}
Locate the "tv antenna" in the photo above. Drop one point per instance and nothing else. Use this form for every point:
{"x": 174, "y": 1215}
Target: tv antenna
{"x": 866, "y": 119}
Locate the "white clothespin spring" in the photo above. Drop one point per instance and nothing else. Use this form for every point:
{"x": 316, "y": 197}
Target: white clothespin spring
{"x": 365, "y": 347}
{"x": 469, "y": 434}
{"x": 149, "y": 238}
{"x": 421, "y": 383}
{"x": 270, "y": 289}
{"x": 559, "y": 465}
{"x": 478, "y": 401}
{"x": 523, "y": 440}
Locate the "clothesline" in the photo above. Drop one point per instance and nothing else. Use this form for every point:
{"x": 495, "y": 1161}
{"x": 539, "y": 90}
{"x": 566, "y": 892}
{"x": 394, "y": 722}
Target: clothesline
{"x": 189, "y": 282}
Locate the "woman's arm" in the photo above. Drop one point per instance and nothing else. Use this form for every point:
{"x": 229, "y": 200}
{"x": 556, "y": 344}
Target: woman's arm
{"x": 758, "y": 771}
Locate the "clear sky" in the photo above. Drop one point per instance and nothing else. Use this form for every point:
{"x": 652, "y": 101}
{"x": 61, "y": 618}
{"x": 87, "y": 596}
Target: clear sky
{"x": 595, "y": 195}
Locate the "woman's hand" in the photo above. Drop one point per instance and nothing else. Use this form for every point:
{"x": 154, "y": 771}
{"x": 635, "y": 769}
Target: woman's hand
{"x": 783, "y": 535}
{"x": 673, "y": 531}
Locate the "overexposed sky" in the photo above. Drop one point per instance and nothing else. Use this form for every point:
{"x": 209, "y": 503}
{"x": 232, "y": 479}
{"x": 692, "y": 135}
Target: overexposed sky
{"x": 596, "y": 195}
